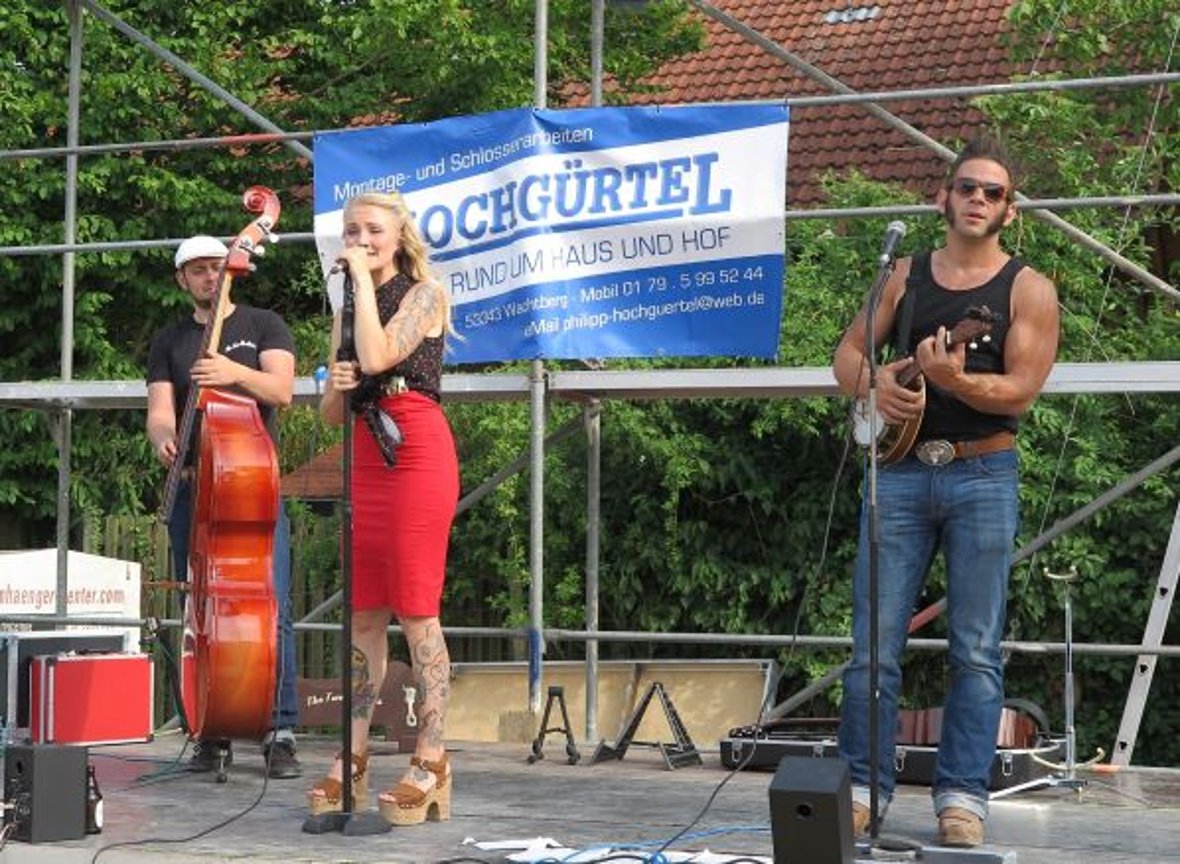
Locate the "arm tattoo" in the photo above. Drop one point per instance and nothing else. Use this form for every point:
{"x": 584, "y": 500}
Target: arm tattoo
{"x": 422, "y": 311}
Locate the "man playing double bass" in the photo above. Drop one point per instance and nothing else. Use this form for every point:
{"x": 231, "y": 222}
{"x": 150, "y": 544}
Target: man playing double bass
{"x": 255, "y": 357}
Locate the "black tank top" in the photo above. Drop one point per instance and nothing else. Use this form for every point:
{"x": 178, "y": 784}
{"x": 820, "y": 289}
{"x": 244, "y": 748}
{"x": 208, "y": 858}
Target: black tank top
{"x": 422, "y": 369}
{"x": 945, "y": 416}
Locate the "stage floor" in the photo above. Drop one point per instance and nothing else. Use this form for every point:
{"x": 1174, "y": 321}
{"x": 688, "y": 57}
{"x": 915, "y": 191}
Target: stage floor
{"x": 1132, "y": 817}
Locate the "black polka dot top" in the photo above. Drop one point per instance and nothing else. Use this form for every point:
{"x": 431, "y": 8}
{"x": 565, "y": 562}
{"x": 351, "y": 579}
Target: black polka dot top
{"x": 423, "y": 368}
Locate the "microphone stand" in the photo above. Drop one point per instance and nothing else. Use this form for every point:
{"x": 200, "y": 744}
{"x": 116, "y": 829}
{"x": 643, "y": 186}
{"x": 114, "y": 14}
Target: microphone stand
{"x": 347, "y": 821}
{"x": 884, "y": 270}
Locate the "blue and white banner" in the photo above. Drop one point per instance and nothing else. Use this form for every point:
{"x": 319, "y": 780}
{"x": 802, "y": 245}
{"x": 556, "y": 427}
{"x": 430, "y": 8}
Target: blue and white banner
{"x": 592, "y": 233}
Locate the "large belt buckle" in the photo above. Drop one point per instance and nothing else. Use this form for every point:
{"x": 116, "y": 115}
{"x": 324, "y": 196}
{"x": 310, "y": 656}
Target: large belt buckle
{"x": 395, "y": 385}
{"x": 935, "y": 452}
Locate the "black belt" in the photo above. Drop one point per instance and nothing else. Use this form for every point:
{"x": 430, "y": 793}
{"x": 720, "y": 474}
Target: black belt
{"x": 939, "y": 451}
{"x": 393, "y": 386}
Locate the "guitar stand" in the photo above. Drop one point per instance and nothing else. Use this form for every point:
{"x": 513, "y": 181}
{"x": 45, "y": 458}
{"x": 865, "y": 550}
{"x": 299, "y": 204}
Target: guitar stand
{"x": 571, "y": 749}
{"x": 683, "y": 752}
{"x": 1069, "y": 779}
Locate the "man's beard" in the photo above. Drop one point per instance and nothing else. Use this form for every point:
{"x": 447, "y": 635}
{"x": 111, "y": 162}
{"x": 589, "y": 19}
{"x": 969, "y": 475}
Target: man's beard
{"x": 994, "y": 225}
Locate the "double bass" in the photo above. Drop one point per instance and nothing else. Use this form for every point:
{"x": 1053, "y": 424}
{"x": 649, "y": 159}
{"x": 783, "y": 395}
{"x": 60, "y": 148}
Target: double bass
{"x": 228, "y": 650}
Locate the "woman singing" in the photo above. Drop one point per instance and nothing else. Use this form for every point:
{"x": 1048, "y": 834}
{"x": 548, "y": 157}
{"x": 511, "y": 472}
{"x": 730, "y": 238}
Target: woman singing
{"x": 405, "y": 485}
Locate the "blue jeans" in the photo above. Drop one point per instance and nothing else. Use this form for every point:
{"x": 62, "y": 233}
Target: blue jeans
{"x": 286, "y": 712}
{"x": 970, "y": 509}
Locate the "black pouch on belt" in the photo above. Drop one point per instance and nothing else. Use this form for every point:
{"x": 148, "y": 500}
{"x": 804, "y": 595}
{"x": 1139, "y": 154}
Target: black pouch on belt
{"x": 385, "y": 432}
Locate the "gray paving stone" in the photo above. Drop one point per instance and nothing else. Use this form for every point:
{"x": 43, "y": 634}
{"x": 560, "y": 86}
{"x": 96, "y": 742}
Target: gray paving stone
{"x": 157, "y": 812}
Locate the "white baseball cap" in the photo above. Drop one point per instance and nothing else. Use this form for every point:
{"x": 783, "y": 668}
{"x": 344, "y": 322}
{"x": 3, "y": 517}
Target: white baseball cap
{"x": 200, "y": 246}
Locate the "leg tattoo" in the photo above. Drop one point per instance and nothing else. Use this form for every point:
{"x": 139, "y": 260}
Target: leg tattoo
{"x": 364, "y": 688}
{"x": 432, "y": 673}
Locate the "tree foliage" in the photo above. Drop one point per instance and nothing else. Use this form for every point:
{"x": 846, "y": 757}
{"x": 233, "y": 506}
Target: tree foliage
{"x": 1100, "y": 142}
{"x": 305, "y": 65}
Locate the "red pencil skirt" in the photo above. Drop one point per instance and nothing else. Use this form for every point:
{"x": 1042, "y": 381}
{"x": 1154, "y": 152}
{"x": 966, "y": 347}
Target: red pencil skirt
{"x": 401, "y": 516}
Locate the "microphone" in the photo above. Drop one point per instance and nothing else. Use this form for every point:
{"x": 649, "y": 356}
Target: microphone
{"x": 342, "y": 266}
{"x": 893, "y": 235}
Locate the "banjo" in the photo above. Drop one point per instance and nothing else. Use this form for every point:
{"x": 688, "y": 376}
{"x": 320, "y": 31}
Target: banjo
{"x": 894, "y": 440}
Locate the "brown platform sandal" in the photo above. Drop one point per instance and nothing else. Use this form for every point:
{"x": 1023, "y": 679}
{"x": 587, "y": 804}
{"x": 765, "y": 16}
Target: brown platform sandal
{"x": 327, "y": 796}
{"x": 406, "y": 804}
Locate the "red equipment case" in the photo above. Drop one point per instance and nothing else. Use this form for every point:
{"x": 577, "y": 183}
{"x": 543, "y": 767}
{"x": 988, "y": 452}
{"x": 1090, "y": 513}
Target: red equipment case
{"x": 90, "y": 698}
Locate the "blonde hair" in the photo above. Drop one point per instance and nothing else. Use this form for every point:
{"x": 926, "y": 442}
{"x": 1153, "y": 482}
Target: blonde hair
{"x": 411, "y": 259}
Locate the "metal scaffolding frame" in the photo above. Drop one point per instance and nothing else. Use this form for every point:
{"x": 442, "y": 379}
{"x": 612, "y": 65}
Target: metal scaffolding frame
{"x": 60, "y": 398}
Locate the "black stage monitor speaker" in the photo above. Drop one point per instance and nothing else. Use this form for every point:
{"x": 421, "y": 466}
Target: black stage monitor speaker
{"x": 811, "y": 811}
{"x": 45, "y": 786}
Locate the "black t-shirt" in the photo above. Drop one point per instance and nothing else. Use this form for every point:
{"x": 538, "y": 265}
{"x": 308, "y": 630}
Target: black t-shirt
{"x": 245, "y": 334}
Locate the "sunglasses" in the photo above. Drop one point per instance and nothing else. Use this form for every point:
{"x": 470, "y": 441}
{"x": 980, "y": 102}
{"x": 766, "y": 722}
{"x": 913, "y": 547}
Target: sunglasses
{"x": 994, "y": 193}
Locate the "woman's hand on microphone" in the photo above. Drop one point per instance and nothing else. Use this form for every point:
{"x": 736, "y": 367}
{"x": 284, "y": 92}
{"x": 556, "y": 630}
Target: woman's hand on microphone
{"x": 353, "y": 260}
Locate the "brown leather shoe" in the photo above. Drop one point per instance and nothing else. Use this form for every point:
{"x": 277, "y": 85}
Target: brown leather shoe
{"x": 959, "y": 827}
{"x": 860, "y": 819}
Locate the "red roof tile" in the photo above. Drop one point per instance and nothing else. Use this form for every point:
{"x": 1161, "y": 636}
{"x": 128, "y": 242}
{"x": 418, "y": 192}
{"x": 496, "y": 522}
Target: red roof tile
{"x": 902, "y": 45}
{"x": 318, "y": 479}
